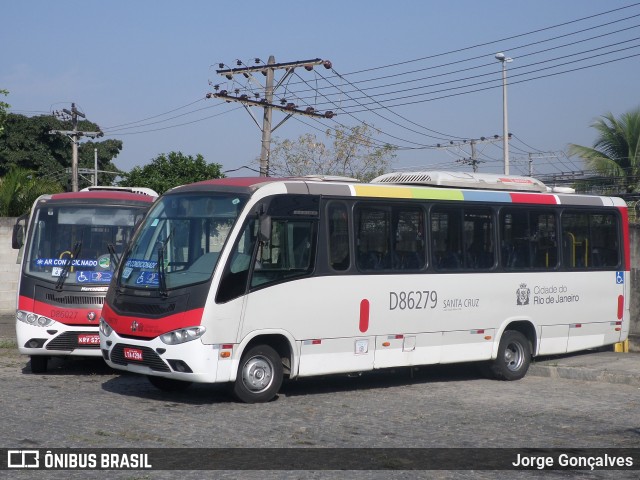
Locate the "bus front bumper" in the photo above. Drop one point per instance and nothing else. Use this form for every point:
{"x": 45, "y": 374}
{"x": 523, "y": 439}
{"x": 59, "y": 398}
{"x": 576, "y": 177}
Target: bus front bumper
{"x": 58, "y": 339}
{"x": 191, "y": 361}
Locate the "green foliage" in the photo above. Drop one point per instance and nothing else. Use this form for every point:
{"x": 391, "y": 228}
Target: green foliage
{"x": 19, "y": 188}
{"x": 170, "y": 170}
{"x": 27, "y": 143}
{"x": 352, "y": 153}
{"x": 615, "y": 155}
{"x": 3, "y": 109}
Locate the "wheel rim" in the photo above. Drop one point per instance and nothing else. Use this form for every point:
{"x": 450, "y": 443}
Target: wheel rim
{"x": 257, "y": 374}
{"x": 514, "y": 356}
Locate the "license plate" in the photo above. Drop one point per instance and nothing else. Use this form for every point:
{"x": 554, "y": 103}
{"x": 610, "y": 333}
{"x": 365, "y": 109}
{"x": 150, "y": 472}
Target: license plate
{"x": 133, "y": 354}
{"x": 88, "y": 339}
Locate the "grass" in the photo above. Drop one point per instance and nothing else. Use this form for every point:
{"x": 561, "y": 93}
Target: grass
{"x": 7, "y": 343}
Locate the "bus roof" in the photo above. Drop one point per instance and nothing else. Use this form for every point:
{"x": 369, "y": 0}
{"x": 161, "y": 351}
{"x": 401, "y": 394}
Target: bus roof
{"x": 481, "y": 181}
{"x": 118, "y": 195}
{"x": 107, "y": 188}
{"x": 472, "y": 187}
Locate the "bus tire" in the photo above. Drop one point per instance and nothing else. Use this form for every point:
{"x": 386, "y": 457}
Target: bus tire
{"x": 39, "y": 363}
{"x": 260, "y": 375}
{"x": 168, "y": 384}
{"x": 514, "y": 356}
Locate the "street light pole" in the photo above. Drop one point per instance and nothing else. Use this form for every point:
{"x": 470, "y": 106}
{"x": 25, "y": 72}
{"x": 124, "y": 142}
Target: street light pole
{"x": 505, "y": 128}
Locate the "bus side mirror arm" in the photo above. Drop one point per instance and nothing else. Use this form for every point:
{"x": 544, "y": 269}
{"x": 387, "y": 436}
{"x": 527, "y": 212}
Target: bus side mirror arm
{"x": 17, "y": 236}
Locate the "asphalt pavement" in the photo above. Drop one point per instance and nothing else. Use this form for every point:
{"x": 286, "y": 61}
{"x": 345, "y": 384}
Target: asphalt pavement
{"x": 600, "y": 365}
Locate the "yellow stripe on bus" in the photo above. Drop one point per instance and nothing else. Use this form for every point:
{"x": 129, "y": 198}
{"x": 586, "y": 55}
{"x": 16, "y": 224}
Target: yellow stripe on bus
{"x": 407, "y": 192}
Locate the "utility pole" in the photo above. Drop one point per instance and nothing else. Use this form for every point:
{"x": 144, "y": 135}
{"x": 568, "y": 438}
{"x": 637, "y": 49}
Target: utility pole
{"x": 75, "y": 136}
{"x": 505, "y": 129}
{"x": 473, "y": 159}
{"x": 266, "y": 100}
{"x": 536, "y": 156}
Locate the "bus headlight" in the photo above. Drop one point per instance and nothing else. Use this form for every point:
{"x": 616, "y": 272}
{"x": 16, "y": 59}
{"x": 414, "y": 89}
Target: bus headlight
{"x": 33, "y": 319}
{"x": 182, "y": 335}
{"x": 105, "y": 329}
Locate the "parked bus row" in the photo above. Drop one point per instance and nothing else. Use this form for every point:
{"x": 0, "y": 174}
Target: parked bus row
{"x": 70, "y": 244}
{"x": 249, "y": 281}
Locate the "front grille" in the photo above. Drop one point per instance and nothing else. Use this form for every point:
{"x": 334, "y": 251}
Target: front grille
{"x": 69, "y": 341}
{"x": 151, "y": 309}
{"x": 149, "y": 357}
{"x": 73, "y": 299}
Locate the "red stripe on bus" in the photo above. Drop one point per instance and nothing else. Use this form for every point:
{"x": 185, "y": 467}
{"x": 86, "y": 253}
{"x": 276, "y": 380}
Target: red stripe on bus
{"x": 537, "y": 198}
{"x": 66, "y": 316}
{"x": 364, "y": 315}
{"x": 620, "y": 306}
{"x": 142, "y": 327}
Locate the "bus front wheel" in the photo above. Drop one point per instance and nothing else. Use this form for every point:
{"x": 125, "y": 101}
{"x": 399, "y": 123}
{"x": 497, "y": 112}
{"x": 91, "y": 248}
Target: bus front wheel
{"x": 514, "y": 356}
{"x": 259, "y": 376}
{"x": 39, "y": 363}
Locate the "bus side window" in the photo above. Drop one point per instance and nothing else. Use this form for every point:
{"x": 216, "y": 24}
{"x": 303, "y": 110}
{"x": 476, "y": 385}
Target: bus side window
{"x": 446, "y": 235}
{"x": 408, "y": 250}
{"x": 478, "y": 239}
{"x": 373, "y": 235}
{"x": 590, "y": 240}
{"x": 289, "y": 253}
{"x": 338, "y": 228}
{"x": 575, "y": 240}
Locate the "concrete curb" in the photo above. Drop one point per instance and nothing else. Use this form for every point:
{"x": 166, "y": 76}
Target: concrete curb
{"x": 585, "y": 374}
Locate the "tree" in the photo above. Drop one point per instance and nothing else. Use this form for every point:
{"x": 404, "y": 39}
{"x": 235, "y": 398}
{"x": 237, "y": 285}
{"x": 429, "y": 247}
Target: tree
{"x": 615, "y": 154}
{"x": 168, "y": 171}
{"x": 3, "y": 109}
{"x": 27, "y": 143}
{"x": 352, "y": 153}
{"x": 19, "y": 188}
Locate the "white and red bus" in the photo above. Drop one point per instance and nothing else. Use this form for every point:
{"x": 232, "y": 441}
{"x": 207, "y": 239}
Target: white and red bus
{"x": 251, "y": 280}
{"x": 71, "y": 243}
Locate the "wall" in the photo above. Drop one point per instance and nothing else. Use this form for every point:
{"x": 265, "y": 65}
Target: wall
{"x": 9, "y": 269}
{"x": 9, "y": 276}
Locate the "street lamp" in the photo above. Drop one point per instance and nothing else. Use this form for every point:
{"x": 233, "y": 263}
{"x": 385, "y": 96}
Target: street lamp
{"x": 505, "y": 134}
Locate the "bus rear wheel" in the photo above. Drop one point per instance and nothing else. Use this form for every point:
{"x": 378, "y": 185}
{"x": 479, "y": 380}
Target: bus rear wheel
{"x": 168, "y": 384}
{"x": 514, "y": 356}
{"x": 39, "y": 363}
{"x": 259, "y": 376}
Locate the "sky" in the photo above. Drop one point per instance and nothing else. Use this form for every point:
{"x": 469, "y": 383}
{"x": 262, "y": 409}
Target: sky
{"x": 422, "y": 74}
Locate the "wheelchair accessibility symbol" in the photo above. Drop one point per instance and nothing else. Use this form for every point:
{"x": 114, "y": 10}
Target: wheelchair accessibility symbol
{"x": 620, "y": 278}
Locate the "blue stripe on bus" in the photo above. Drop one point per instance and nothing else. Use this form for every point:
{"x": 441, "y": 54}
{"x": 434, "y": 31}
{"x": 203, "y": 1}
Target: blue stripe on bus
{"x": 481, "y": 196}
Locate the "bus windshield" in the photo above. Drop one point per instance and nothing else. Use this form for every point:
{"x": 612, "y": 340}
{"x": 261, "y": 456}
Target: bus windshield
{"x": 180, "y": 241}
{"x": 79, "y": 244}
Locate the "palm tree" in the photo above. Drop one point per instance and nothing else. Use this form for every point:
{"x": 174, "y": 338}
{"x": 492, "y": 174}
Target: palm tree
{"x": 616, "y": 153}
{"x": 19, "y": 188}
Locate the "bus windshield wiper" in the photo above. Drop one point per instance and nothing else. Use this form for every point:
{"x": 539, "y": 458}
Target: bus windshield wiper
{"x": 115, "y": 259}
{"x": 162, "y": 272}
{"x": 67, "y": 265}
